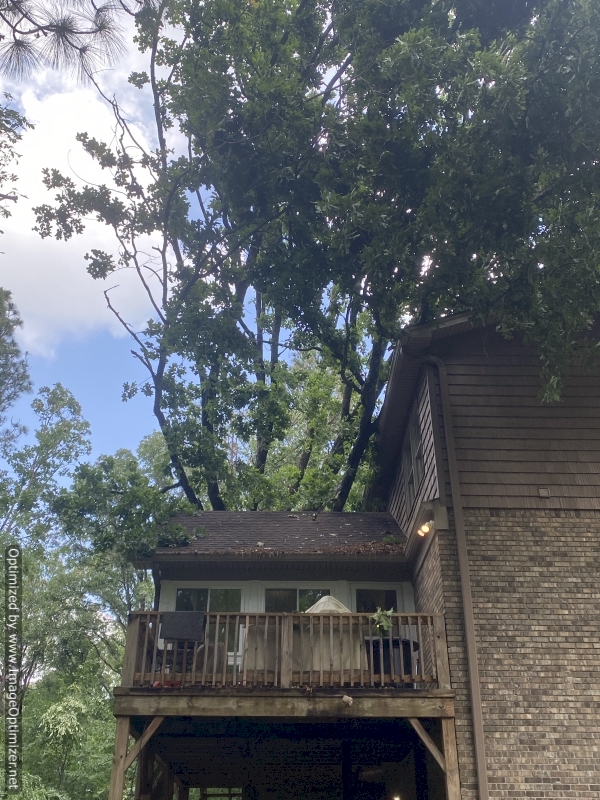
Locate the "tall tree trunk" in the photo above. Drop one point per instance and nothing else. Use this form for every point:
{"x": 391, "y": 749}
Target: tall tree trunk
{"x": 212, "y": 484}
{"x": 178, "y": 467}
{"x": 366, "y": 427}
{"x": 304, "y": 459}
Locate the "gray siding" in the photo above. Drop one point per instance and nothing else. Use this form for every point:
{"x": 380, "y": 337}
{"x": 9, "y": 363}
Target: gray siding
{"x": 428, "y": 488}
{"x": 509, "y": 443}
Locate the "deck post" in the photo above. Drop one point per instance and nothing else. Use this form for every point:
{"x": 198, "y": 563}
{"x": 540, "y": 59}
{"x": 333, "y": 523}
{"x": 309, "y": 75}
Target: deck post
{"x": 348, "y": 788}
{"x": 169, "y": 785}
{"x": 287, "y": 628}
{"x": 451, "y": 759}
{"x": 441, "y": 651}
{"x": 145, "y": 773}
{"x": 117, "y": 776}
{"x": 131, "y": 650}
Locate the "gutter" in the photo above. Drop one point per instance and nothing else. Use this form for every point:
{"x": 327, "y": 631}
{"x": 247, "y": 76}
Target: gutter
{"x": 465, "y": 582}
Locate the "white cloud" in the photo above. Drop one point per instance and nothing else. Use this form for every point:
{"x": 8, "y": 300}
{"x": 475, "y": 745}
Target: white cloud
{"x": 54, "y": 294}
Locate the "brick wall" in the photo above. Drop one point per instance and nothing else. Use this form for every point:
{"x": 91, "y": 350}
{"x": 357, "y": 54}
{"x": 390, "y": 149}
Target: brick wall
{"x": 427, "y": 582}
{"x": 536, "y": 591}
{"x": 437, "y": 589}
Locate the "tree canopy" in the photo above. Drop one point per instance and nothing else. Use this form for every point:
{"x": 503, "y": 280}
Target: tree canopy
{"x": 324, "y": 173}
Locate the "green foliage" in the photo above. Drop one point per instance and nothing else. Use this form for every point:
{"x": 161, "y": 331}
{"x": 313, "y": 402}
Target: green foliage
{"x": 12, "y": 125}
{"x": 350, "y": 167}
{"x": 114, "y": 506}
{"x": 14, "y": 373}
{"x": 383, "y": 620}
{"x": 32, "y": 472}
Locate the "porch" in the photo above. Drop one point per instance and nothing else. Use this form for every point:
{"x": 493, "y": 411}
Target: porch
{"x": 241, "y": 706}
{"x": 285, "y": 651}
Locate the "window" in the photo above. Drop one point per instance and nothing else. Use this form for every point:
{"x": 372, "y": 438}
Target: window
{"x": 412, "y": 459}
{"x": 369, "y": 600}
{"x": 208, "y": 600}
{"x": 290, "y": 600}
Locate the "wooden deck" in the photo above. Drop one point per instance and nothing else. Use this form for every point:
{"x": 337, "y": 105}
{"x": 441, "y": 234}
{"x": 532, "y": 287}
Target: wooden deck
{"x": 330, "y": 672}
{"x": 285, "y": 651}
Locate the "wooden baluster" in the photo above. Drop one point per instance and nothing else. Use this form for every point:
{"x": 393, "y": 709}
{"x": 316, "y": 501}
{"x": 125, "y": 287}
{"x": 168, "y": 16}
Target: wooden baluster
{"x": 391, "y": 646}
{"x": 321, "y": 660}
{"x": 216, "y": 651}
{"x": 285, "y": 653}
{"x": 419, "y": 657}
{"x": 266, "y": 650}
{"x": 155, "y": 649}
{"x": 331, "y": 650}
{"x": 163, "y": 671}
{"x": 372, "y": 665}
{"x": 183, "y": 662}
{"x": 413, "y": 652}
{"x": 351, "y": 645}
{"x": 226, "y": 657}
{"x": 363, "y": 655}
{"x": 245, "y": 655}
{"x": 194, "y": 663}
{"x": 341, "y": 650}
{"x": 301, "y": 618}
{"x": 311, "y": 637}
{"x": 431, "y": 648}
{"x": 381, "y": 659}
{"x": 277, "y": 651}
{"x": 145, "y": 652}
{"x": 236, "y": 644}
{"x": 206, "y": 646}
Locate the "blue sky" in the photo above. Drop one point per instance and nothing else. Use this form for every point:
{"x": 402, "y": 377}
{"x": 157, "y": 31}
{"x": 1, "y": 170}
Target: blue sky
{"x": 94, "y": 369}
{"x": 69, "y": 333}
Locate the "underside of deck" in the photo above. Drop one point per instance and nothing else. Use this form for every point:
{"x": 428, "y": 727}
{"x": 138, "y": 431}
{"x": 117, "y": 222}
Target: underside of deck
{"x": 260, "y": 759}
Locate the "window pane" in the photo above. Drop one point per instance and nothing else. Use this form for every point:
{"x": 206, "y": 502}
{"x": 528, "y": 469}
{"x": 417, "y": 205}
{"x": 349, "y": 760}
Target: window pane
{"x": 225, "y": 600}
{"x": 191, "y": 600}
{"x": 308, "y": 597}
{"x": 280, "y": 600}
{"x": 369, "y": 600}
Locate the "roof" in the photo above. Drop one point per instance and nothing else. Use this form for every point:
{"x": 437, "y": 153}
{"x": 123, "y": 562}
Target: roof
{"x": 406, "y": 367}
{"x": 270, "y": 533}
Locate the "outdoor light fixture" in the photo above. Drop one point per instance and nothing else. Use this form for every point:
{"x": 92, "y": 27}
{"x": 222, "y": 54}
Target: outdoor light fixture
{"x": 425, "y": 528}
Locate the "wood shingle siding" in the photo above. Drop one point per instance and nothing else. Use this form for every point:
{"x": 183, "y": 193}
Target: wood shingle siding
{"x": 428, "y": 488}
{"x": 508, "y": 442}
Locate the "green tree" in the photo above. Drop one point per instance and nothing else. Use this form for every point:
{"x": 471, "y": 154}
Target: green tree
{"x": 347, "y": 167}
{"x": 12, "y": 125}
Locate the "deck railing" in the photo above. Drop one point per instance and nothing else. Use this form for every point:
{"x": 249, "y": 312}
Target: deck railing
{"x": 290, "y": 650}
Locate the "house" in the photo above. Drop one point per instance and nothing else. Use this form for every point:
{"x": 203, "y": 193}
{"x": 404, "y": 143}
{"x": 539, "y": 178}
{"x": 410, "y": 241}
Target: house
{"x": 283, "y": 680}
{"x": 444, "y": 648}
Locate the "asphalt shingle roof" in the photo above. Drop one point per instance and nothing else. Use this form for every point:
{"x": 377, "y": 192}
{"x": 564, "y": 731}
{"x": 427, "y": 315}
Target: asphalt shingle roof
{"x": 243, "y": 532}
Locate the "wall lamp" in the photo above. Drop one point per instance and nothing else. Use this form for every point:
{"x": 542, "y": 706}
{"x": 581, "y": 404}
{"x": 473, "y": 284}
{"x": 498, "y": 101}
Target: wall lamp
{"x": 425, "y": 528}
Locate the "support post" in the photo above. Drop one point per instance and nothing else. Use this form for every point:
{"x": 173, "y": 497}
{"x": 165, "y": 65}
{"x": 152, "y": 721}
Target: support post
{"x": 131, "y": 650}
{"x": 451, "y": 759}
{"x": 170, "y": 785}
{"x": 145, "y": 774}
{"x": 117, "y": 776}
{"x": 347, "y": 777}
{"x": 428, "y": 742}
